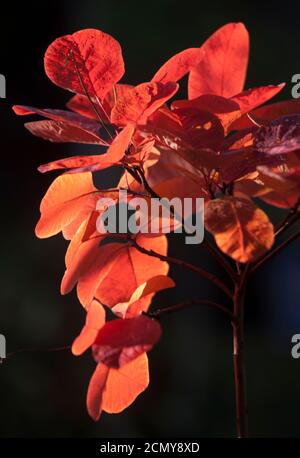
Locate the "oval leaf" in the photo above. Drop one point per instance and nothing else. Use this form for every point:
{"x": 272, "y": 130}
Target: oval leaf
{"x": 88, "y": 60}
{"x": 241, "y": 230}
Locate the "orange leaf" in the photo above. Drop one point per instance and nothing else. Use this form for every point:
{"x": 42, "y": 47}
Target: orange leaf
{"x": 118, "y": 269}
{"x": 113, "y": 390}
{"x": 241, "y": 230}
{"x": 136, "y": 303}
{"x": 88, "y": 258}
{"x": 68, "y": 197}
{"x": 95, "y": 319}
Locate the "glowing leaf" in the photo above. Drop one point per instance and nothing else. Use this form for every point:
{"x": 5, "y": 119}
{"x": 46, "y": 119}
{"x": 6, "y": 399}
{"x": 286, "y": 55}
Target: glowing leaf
{"x": 222, "y": 71}
{"x": 68, "y": 197}
{"x": 112, "y": 390}
{"x": 241, "y": 230}
{"x": 118, "y": 269}
{"x": 137, "y": 104}
{"x": 136, "y": 303}
{"x": 179, "y": 65}
{"x": 252, "y": 98}
{"x": 95, "y": 319}
{"x": 88, "y": 60}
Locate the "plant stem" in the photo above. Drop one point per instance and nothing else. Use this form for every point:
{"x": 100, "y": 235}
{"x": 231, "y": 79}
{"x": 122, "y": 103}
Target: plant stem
{"x": 221, "y": 259}
{"x": 239, "y": 356}
{"x": 276, "y": 250}
{"x": 289, "y": 219}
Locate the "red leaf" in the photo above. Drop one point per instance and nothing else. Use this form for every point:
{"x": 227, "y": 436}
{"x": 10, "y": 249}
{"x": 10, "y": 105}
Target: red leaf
{"x": 226, "y": 110}
{"x": 90, "y": 56}
{"x": 68, "y": 197}
{"x": 136, "y": 105}
{"x": 281, "y": 200}
{"x": 281, "y": 136}
{"x": 78, "y": 164}
{"x": 114, "y": 153}
{"x": 179, "y": 65}
{"x": 222, "y": 71}
{"x": 252, "y": 98}
{"x": 120, "y": 341}
{"x": 200, "y": 129}
{"x": 61, "y": 132}
{"x": 71, "y": 119}
{"x": 120, "y": 144}
{"x": 268, "y": 113}
{"x": 82, "y": 105}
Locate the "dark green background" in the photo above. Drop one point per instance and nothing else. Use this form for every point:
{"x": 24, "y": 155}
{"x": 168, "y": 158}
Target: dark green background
{"x": 191, "y": 391}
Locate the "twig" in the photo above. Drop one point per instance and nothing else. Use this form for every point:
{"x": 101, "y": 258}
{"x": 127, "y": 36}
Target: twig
{"x": 276, "y": 250}
{"x": 192, "y": 303}
{"x": 37, "y": 350}
{"x": 221, "y": 259}
{"x": 217, "y": 254}
{"x": 289, "y": 219}
{"x": 179, "y": 262}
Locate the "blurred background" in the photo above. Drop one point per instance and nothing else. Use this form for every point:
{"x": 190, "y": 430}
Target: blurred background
{"x": 42, "y": 394}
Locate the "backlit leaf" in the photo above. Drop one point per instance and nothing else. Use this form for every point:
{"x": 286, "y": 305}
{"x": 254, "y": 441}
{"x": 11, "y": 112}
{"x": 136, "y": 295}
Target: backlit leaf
{"x": 88, "y": 58}
{"x": 241, "y": 230}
